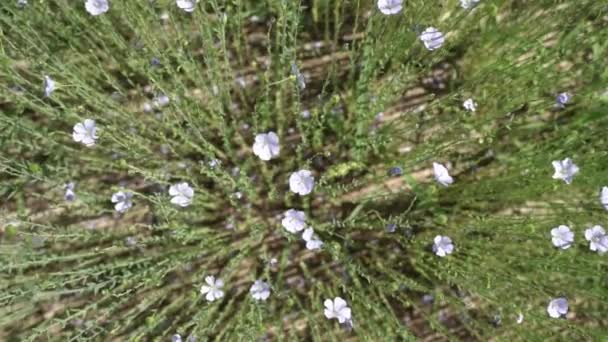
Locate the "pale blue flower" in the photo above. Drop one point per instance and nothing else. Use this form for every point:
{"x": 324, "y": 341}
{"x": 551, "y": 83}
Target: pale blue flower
{"x": 390, "y": 7}
{"x": 442, "y": 245}
{"x": 564, "y": 170}
{"x": 97, "y": 7}
{"x": 558, "y": 307}
{"x": 432, "y": 38}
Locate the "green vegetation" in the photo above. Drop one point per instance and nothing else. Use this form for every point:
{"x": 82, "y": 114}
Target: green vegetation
{"x": 78, "y": 270}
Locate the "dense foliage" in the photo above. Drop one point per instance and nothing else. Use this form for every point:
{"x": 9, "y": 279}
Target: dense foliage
{"x": 354, "y": 96}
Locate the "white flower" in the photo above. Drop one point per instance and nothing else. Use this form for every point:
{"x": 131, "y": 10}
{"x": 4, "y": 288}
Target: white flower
{"x": 130, "y": 241}
{"x": 562, "y": 237}
{"x": 160, "y": 101}
{"x": 301, "y": 182}
{"x": 598, "y": 240}
{"x": 21, "y": 3}
{"x": 520, "y": 318}
{"x": 69, "y": 191}
{"x": 212, "y": 289}
{"x": 147, "y": 107}
{"x": 294, "y": 220}
{"x": 85, "y": 132}
{"x": 122, "y": 200}
{"x": 558, "y": 307}
{"x": 565, "y": 170}
{"x": 96, "y": 7}
{"x": 562, "y": 99}
{"x": 178, "y": 338}
{"x": 442, "y": 245}
{"x": 604, "y": 197}
{"x": 260, "y": 290}
{"x": 305, "y": 114}
{"x": 181, "y": 194}
{"x": 49, "y": 86}
{"x": 468, "y": 4}
{"x": 312, "y": 240}
{"x": 266, "y": 146}
{"x": 337, "y": 309}
{"x": 441, "y": 174}
{"x": 469, "y": 105}
{"x": 187, "y": 5}
{"x": 432, "y": 38}
{"x": 389, "y": 7}
{"x": 213, "y": 163}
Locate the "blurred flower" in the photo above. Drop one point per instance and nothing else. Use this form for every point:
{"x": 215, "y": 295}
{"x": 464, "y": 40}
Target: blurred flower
{"x": 301, "y": 182}
{"x": 96, "y": 7}
{"x": 395, "y": 171}
{"x": 49, "y": 86}
{"x": 391, "y": 227}
{"x": 305, "y": 114}
{"x": 122, "y": 200}
{"x": 441, "y": 174}
{"x": 298, "y": 75}
{"x": 468, "y": 4}
{"x": 337, "y": 309}
{"x": 293, "y": 220}
{"x": 85, "y": 132}
{"x": 389, "y": 7}
{"x": 155, "y": 61}
{"x": 21, "y": 3}
{"x": 213, "y": 288}
{"x": 213, "y": 163}
{"x": 241, "y": 81}
{"x": 147, "y": 107}
{"x": 520, "y": 318}
{"x": 598, "y": 240}
{"x": 260, "y": 290}
{"x": 469, "y": 105}
{"x": 69, "y": 191}
{"x": 160, "y": 101}
{"x": 312, "y": 240}
{"x": 604, "y": 197}
{"x": 379, "y": 117}
{"x": 558, "y": 307}
{"x": 266, "y": 146}
{"x": 176, "y": 338}
{"x": 562, "y": 99}
{"x": 428, "y": 299}
{"x": 181, "y": 194}
{"x": 562, "y": 237}
{"x": 442, "y": 245}
{"x": 187, "y": 5}
{"x": 565, "y": 170}
{"x": 130, "y": 241}
{"x": 432, "y": 38}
